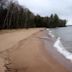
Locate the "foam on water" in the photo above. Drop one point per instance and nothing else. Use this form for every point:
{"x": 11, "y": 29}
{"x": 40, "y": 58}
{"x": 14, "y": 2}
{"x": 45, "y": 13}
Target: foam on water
{"x": 60, "y": 48}
{"x": 50, "y": 33}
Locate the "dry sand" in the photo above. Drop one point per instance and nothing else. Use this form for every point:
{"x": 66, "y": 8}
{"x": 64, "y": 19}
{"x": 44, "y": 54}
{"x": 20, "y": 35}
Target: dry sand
{"x": 30, "y": 54}
{"x": 8, "y": 40}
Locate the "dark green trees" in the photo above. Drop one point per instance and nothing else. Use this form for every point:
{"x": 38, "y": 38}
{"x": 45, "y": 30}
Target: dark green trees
{"x": 16, "y": 16}
{"x": 54, "y": 21}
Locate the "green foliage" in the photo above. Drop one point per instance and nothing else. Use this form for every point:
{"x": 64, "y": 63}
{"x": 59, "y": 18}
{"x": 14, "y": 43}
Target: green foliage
{"x": 16, "y": 16}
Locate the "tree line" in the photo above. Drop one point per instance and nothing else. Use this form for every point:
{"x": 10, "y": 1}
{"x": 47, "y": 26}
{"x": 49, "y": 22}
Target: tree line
{"x": 13, "y": 15}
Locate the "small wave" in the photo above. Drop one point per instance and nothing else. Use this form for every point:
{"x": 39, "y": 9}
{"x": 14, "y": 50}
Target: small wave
{"x": 50, "y": 33}
{"x": 60, "y": 48}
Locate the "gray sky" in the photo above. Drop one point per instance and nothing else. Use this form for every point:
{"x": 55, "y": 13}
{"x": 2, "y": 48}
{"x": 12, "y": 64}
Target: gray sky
{"x": 47, "y": 7}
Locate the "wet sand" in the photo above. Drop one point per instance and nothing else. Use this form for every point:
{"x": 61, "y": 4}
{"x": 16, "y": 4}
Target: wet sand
{"x": 36, "y": 54}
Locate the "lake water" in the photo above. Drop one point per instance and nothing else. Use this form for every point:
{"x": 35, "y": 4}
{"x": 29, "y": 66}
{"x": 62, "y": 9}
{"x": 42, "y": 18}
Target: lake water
{"x": 63, "y": 40}
{"x": 65, "y": 35}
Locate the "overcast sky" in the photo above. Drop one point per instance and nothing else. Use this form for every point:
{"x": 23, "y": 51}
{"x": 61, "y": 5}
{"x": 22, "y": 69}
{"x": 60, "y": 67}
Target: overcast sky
{"x": 47, "y": 7}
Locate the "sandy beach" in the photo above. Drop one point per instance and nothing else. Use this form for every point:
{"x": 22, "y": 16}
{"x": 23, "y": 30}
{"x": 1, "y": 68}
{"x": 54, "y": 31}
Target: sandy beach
{"x": 29, "y": 51}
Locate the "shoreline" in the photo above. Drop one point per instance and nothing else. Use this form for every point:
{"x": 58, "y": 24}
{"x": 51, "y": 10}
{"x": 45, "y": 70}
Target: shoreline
{"x": 58, "y": 56}
{"x": 59, "y": 46}
{"x": 37, "y": 54}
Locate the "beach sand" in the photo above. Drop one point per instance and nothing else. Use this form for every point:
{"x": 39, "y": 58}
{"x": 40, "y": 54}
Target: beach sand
{"x": 32, "y": 53}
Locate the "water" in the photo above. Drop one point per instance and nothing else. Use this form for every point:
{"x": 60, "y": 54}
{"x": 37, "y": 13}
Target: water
{"x": 65, "y": 35}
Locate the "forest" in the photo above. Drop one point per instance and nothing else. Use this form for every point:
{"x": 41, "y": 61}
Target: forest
{"x": 13, "y": 16}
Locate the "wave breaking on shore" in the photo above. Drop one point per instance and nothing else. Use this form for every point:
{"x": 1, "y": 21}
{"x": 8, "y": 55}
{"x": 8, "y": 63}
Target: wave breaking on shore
{"x": 60, "y": 48}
